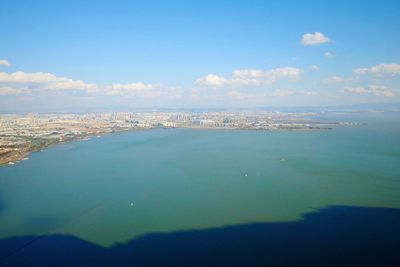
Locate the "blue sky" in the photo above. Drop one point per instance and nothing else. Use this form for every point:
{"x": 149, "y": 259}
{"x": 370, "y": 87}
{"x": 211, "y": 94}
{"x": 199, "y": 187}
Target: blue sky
{"x": 67, "y": 54}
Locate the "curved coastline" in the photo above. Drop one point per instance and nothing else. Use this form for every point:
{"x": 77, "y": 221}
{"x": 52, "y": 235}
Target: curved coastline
{"x": 24, "y": 155}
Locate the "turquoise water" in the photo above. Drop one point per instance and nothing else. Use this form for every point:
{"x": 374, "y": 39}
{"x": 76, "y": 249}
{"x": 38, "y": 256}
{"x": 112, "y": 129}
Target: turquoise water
{"x": 116, "y": 188}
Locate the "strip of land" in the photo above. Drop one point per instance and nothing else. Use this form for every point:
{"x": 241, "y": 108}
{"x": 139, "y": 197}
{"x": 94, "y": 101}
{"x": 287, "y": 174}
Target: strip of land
{"x": 21, "y": 135}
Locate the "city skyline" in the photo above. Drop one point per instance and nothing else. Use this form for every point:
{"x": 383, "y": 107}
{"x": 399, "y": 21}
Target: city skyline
{"x": 87, "y": 56}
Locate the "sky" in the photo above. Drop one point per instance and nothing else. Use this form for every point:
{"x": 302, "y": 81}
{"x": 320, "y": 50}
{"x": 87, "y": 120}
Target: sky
{"x": 95, "y": 55}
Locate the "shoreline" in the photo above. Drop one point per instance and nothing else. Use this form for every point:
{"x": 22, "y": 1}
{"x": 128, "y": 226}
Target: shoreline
{"x": 16, "y": 158}
{"x": 24, "y": 155}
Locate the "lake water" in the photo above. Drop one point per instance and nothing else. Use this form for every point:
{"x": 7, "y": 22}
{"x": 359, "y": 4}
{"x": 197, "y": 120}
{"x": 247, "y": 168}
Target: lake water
{"x": 116, "y": 188}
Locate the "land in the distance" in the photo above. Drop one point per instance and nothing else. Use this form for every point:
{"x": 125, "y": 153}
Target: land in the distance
{"x": 21, "y": 135}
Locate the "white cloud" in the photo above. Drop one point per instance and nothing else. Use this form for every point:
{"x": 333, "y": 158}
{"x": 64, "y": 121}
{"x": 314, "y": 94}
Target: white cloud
{"x": 5, "y": 90}
{"x": 139, "y": 86}
{"x": 304, "y": 92}
{"x": 285, "y": 93}
{"x": 282, "y": 93}
{"x": 122, "y": 89}
{"x": 328, "y": 55}
{"x": 44, "y": 81}
{"x": 22, "y": 82}
{"x": 212, "y": 80}
{"x": 378, "y": 90}
{"x": 338, "y": 79}
{"x": 381, "y": 69}
{"x": 4, "y": 63}
{"x": 249, "y": 77}
{"x": 316, "y": 38}
{"x": 314, "y": 67}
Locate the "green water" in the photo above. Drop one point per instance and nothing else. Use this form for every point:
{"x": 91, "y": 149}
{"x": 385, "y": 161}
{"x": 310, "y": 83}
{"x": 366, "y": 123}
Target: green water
{"x": 182, "y": 179}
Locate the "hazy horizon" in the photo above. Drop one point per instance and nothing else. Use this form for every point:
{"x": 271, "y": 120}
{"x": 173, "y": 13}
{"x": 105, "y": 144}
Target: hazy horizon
{"x": 365, "y": 107}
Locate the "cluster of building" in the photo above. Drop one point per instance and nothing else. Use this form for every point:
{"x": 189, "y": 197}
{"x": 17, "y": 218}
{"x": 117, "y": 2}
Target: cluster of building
{"x": 22, "y": 134}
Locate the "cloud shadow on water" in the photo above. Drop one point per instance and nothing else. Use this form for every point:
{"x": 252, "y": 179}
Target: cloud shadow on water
{"x": 334, "y": 236}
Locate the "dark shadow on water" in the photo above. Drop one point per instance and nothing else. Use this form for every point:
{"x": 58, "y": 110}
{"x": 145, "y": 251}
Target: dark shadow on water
{"x": 336, "y": 236}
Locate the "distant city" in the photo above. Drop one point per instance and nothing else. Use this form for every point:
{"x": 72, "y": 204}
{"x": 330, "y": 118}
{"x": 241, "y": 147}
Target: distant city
{"x": 22, "y": 134}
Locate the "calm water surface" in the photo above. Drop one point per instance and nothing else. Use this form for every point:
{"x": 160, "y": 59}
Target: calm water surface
{"x": 118, "y": 187}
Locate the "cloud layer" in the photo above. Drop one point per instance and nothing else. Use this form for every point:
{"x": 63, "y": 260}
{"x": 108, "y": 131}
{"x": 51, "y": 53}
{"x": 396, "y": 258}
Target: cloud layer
{"x": 378, "y": 90}
{"x": 22, "y": 82}
{"x": 251, "y": 77}
{"x": 380, "y": 69}
{"x": 234, "y": 87}
{"x": 44, "y": 81}
{"x": 122, "y": 89}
